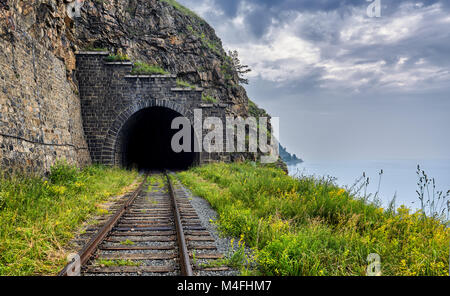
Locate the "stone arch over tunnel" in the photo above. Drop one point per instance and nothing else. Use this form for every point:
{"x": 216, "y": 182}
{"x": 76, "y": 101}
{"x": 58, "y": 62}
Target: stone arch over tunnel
{"x": 141, "y": 138}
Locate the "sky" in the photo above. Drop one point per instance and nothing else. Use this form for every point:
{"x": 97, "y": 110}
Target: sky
{"x": 345, "y": 86}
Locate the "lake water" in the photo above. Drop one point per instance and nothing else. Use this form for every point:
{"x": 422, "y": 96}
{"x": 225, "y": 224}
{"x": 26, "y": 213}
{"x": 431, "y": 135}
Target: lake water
{"x": 399, "y": 176}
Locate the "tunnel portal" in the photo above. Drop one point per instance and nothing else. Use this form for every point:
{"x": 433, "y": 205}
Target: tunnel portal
{"x": 127, "y": 117}
{"x": 146, "y": 141}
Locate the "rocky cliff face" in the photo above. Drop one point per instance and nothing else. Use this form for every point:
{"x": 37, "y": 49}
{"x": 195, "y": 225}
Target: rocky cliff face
{"x": 152, "y": 31}
{"x": 40, "y": 113}
{"x": 157, "y": 33}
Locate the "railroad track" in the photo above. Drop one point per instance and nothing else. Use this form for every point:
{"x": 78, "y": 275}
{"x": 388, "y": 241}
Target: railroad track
{"x": 155, "y": 232}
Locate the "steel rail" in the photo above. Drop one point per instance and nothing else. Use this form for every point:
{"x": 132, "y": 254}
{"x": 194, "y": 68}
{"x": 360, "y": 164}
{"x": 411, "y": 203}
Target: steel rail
{"x": 185, "y": 264}
{"x": 89, "y": 249}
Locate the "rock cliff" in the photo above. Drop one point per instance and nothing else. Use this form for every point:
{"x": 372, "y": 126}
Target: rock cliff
{"x": 40, "y": 117}
{"x": 152, "y": 31}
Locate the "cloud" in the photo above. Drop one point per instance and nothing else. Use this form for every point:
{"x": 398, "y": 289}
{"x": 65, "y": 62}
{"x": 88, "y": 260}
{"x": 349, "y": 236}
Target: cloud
{"x": 281, "y": 56}
{"x": 334, "y": 45}
{"x": 345, "y": 86}
{"x": 231, "y": 7}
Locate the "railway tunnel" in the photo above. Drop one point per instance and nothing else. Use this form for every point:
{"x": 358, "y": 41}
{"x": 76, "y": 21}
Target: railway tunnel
{"x": 127, "y": 118}
{"x": 145, "y": 141}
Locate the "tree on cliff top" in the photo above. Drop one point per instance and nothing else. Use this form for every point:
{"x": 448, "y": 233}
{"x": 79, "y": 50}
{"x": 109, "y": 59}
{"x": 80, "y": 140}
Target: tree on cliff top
{"x": 240, "y": 69}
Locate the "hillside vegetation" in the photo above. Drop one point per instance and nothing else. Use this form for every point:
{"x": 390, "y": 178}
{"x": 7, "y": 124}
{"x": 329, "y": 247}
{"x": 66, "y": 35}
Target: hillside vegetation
{"x": 308, "y": 226}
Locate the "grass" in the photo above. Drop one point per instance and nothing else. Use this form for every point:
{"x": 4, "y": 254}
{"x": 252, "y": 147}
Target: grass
{"x": 141, "y": 68}
{"x": 209, "y": 99}
{"x": 184, "y": 10}
{"x": 236, "y": 258}
{"x": 117, "y": 58}
{"x": 184, "y": 84}
{"x": 39, "y": 217}
{"x": 157, "y": 180}
{"x": 434, "y": 203}
{"x": 207, "y": 43}
{"x": 255, "y": 111}
{"x": 309, "y": 226}
{"x": 127, "y": 242}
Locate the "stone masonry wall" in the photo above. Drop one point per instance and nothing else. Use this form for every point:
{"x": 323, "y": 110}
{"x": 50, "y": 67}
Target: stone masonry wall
{"x": 110, "y": 96}
{"x": 40, "y": 118}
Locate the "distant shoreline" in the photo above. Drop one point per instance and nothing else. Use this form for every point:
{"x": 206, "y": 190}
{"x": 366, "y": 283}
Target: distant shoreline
{"x": 295, "y": 161}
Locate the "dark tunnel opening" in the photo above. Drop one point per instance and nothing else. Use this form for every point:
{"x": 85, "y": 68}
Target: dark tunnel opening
{"x": 146, "y": 142}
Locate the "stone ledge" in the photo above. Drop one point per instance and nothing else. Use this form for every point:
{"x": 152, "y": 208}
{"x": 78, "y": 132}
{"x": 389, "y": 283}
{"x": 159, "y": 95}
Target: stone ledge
{"x": 213, "y": 105}
{"x": 197, "y": 89}
{"x": 119, "y": 63}
{"x": 92, "y": 53}
{"x": 150, "y": 76}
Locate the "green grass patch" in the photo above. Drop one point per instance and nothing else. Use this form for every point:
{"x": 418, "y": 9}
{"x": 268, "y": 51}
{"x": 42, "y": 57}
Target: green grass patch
{"x": 39, "y": 217}
{"x": 184, "y": 10}
{"x": 209, "y": 99}
{"x": 127, "y": 243}
{"x": 236, "y": 258}
{"x": 117, "y": 58}
{"x": 157, "y": 180}
{"x": 141, "y": 68}
{"x": 310, "y": 226}
{"x": 213, "y": 45}
{"x": 184, "y": 84}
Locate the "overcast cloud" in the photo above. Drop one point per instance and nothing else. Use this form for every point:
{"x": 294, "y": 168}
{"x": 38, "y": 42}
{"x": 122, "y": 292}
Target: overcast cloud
{"x": 344, "y": 85}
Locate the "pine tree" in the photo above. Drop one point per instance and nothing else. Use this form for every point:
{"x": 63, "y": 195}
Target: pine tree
{"x": 240, "y": 69}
